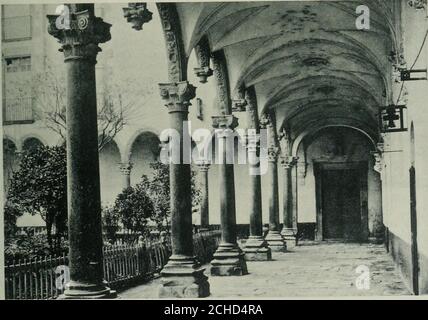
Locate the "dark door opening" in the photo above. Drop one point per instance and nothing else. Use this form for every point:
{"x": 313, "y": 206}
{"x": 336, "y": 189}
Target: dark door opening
{"x": 341, "y": 204}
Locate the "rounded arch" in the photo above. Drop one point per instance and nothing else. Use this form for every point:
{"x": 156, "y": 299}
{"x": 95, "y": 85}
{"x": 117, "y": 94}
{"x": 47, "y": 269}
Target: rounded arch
{"x": 9, "y": 142}
{"x": 298, "y": 140}
{"x": 126, "y": 153}
{"x": 31, "y": 142}
{"x": 110, "y": 176}
{"x": 143, "y": 151}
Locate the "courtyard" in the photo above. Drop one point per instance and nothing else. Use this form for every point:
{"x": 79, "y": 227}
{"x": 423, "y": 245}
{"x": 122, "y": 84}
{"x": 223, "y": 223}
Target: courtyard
{"x": 308, "y": 270}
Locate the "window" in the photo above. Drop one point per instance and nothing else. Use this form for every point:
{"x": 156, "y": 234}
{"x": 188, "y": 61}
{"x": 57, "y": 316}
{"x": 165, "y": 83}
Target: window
{"x": 17, "y": 100}
{"x": 16, "y": 22}
{"x": 18, "y": 64}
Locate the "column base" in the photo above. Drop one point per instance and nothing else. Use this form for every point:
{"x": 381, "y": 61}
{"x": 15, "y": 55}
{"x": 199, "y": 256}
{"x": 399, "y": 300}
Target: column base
{"x": 257, "y": 249}
{"x": 289, "y": 236}
{"x": 276, "y": 241}
{"x": 82, "y": 291}
{"x": 182, "y": 277}
{"x": 229, "y": 260}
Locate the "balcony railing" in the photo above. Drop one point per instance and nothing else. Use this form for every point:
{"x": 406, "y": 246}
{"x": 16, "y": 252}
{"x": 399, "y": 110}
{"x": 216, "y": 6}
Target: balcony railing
{"x": 18, "y": 110}
{"x": 17, "y": 28}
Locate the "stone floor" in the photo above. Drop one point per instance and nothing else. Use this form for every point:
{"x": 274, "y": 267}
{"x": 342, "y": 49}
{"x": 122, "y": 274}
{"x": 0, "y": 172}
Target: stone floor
{"x": 309, "y": 270}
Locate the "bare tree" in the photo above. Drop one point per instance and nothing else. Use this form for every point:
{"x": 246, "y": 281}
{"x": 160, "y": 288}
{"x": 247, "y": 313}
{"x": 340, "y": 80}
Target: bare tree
{"x": 117, "y": 103}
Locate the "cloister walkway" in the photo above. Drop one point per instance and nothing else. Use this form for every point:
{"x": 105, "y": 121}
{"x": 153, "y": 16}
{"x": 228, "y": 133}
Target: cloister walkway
{"x": 308, "y": 270}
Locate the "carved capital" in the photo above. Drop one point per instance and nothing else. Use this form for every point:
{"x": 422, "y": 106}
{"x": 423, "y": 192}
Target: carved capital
{"x": 125, "y": 168}
{"x": 417, "y": 4}
{"x": 378, "y": 162}
{"x": 273, "y": 154}
{"x": 203, "y": 165}
{"x": 177, "y": 95}
{"x": 264, "y": 121}
{"x": 137, "y": 14}
{"x": 287, "y": 162}
{"x": 225, "y": 122}
{"x": 80, "y": 37}
{"x": 203, "y": 73}
{"x": 238, "y": 105}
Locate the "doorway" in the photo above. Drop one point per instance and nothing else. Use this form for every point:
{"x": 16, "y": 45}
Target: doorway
{"x": 342, "y": 211}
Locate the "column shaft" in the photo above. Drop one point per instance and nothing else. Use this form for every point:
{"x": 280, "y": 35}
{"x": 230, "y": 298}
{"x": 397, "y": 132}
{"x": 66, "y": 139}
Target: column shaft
{"x": 229, "y": 258}
{"x": 274, "y": 239}
{"x": 273, "y": 197}
{"x": 204, "y": 208}
{"x": 287, "y": 230}
{"x": 180, "y": 193}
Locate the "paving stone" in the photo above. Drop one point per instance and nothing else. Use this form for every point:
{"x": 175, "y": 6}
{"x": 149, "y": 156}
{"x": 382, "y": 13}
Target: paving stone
{"x": 322, "y": 270}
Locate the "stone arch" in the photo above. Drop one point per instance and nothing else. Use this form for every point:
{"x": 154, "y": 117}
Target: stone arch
{"x": 110, "y": 175}
{"x": 143, "y": 150}
{"x": 176, "y": 55}
{"x": 31, "y": 142}
{"x": 10, "y": 161}
{"x": 298, "y": 140}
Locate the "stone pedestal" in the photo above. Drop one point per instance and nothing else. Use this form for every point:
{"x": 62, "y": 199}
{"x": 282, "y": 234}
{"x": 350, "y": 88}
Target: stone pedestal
{"x": 289, "y": 235}
{"x": 182, "y": 277}
{"x": 275, "y": 241}
{"x": 80, "y": 48}
{"x": 256, "y": 249}
{"x": 229, "y": 260}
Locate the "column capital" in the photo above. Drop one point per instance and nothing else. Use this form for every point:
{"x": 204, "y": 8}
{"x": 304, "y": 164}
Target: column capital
{"x": 203, "y": 165}
{"x": 288, "y": 162}
{"x": 417, "y": 4}
{"x": 137, "y": 14}
{"x": 203, "y": 55}
{"x": 203, "y": 73}
{"x": 239, "y": 104}
{"x": 79, "y": 34}
{"x": 177, "y": 95}
{"x": 125, "y": 168}
{"x": 273, "y": 154}
{"x": 265, "y": 121}
{"x": 225, "y": 122}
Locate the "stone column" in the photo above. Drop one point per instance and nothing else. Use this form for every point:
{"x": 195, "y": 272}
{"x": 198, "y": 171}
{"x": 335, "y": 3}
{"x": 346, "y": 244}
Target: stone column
{"x": 204, "y": 206}
{"x": 294, "y": 181}
{"x": 80, "y": 48}
{"x": 125, "y": 169}
{"x": 182, "y": 277}
{"x": 274, "y": 239}
{"x": 228, "y": 259}
{"x": 288, "y": 230}
{"x": 256, "y": 248}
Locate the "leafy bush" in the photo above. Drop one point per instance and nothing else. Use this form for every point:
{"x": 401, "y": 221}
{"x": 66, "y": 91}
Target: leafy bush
{"x": 40, "y": 187}
{"x": 29, "y": 246}
{"x": 110, "y": 221}
{"x": 134, "y": 208}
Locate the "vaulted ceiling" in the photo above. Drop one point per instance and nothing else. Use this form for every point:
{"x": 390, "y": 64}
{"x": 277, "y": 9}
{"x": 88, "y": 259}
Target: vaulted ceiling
{"x": 306, "y": 59}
